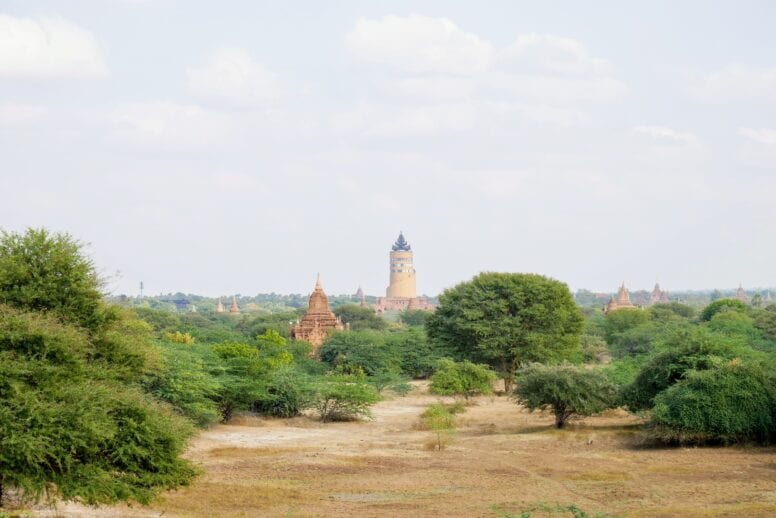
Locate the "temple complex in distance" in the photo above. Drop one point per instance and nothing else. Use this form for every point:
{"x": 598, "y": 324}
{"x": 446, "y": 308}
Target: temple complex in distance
{"x": 319, "y": 320}
{"x": 621, "y": 302}
{"x": 658, "y": 295}
{"x": 401, "y": 293}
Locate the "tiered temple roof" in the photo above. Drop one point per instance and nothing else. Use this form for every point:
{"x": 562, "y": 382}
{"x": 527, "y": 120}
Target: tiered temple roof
{"x": 319, "y": 320}
{"x": 621, "y": 302}
{"x": 741, "y": 294}
{"x": 401, "y": 244}
{"x": 658, "y": 295}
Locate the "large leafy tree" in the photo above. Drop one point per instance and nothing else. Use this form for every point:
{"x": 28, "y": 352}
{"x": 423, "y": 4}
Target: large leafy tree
{"x": 41, "y": 271}
{"x": 505, "y": 319}
{"x": 74, "y": 422}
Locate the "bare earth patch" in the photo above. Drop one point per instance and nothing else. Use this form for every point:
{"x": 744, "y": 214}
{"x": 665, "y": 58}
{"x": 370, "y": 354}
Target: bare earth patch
{"x": 502, "y": 461}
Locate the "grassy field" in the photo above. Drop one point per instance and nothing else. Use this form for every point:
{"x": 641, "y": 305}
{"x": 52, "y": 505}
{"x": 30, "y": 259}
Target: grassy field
{"x": 503, "y": 461}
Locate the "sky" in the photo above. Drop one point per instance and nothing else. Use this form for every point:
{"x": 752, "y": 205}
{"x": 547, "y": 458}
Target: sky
{"x": 245, "y": 146}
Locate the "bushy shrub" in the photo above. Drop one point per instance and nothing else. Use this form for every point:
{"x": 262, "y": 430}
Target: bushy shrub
{"x": 185, "y": 381}
{"x": 344, "y": 398}
{"x": 700, "y": 350}
{"x": 364, "y": 349}
{"x": 441, "y": 421}
{"x": 285, "y": 393}
{"x": 567, "y": 390}
{"x": 462, "y": 379}
{"x": 71, "y": 426}
{"x": 179, "y": 338}
{"x": 729, "y": 403}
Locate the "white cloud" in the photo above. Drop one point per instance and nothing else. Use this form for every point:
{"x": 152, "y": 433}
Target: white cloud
{"x": 760, "y": 136}
{"x": 759, "y": 147}
{"x": 168, "y": 126}
{"x": 734, "y": 83}
{"x": 440, "y": 78}
{"x": 419, "y": 45}
{"x": 231, "y": 75}
{"x": 12, "y": 114}
{"x": 547, "y": 53}
{"x": 665, "y": 135}
{"x": 45, "y": 48}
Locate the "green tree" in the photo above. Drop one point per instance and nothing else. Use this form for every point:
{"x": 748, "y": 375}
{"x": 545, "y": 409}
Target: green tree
{"x": 621, "y": 321}
{"x": 418, "y": 356}
{"x": 701, "y": 349}
{"x": 41, "y": 271}
{"x": 345, "y": 398}
{"x": 74, "y": 424}
{"x": 439, "y": 419}
{"x": 728, "y": 403}
{"x": 665, "y": 311}
{"x": 565, "y": 389}
{"x": 185, "y": 381}
{"x": 365, "y": 349}
{"x": 414, "y": 317}
{"x": 504, "y": 319}
{"x": 360, "y": 318}
{"x": 722, "y": 305}
{"x": 462, "y": 379}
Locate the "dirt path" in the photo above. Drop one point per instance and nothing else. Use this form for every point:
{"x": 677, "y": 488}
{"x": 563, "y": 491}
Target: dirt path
{"x": 503, "y": 461}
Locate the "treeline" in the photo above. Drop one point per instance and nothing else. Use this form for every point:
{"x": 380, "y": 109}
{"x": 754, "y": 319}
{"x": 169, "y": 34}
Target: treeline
{"x": 706, "y": 376}
{"x": 97, "y": 401}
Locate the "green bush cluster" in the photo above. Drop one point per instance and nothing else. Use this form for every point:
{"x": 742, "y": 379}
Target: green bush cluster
{"x": 698, "y": 379}
{"x": 75, "y": 422}
{"x": 462, "y": 379}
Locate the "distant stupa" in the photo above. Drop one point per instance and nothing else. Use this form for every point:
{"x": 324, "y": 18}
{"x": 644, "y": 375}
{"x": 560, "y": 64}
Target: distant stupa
{"x": 319, "y": 320}
{"x": 234, "y": 309}
{"x": 220, "y": 307}
{"x": 621, "y": 302}
{"x": 741, "y": 294}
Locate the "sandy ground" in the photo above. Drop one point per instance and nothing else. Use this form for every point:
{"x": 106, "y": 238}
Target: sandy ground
{"x": 503, "y": 460}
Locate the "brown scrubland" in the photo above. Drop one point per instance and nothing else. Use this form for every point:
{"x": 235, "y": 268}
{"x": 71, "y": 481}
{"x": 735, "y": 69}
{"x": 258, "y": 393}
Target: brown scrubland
{"x": 503, "y": 461}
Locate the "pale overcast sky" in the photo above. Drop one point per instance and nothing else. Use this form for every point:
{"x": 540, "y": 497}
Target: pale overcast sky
{"x": 242, "y": 147}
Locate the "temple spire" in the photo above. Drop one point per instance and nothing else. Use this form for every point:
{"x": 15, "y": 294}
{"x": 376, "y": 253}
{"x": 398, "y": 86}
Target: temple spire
{"x": 318, "y": 282}
{"x": 401, "y": 244}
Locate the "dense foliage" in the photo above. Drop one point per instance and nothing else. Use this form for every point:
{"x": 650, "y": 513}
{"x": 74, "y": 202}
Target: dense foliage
{"x": 345, "y": 398}
{"x": 567, "y": 390}
{"x": 505, "y": 319}
{"x": 728, "y": 403}
{"x": 462, "y": 379}
{"x": 40, "y": 271}
{"x": 74, "y": 420}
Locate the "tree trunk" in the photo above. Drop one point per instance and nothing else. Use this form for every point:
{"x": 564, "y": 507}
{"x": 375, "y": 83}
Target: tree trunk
{"x": 508, "y": 384}
{"x": 1, "y": 491}
{"x": 560, "y": 417}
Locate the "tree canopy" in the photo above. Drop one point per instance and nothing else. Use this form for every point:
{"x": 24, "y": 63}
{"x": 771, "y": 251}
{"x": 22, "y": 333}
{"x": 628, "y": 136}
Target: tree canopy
{"x": 505, "y": 319}
{"x": 40, "y": 271}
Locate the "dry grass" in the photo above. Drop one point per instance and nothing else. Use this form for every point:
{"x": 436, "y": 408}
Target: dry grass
{"x": 503, "y": 458}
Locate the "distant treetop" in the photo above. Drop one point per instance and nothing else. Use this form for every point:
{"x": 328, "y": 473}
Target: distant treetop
{"x": 401, "y": 244}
